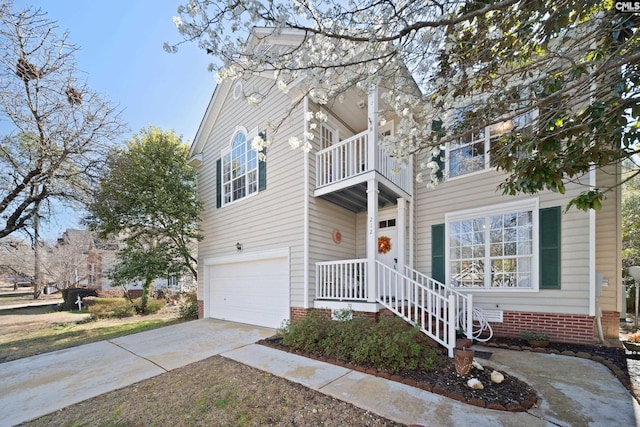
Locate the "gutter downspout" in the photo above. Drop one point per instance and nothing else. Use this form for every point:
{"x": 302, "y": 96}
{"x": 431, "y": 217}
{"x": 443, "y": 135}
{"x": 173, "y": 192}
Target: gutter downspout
{"x": 305, "y": 249}
{"x": 594, "y": 303}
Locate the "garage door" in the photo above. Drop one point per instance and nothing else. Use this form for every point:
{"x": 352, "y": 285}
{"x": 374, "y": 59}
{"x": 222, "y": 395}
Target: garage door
{"x": 253, "y": 290}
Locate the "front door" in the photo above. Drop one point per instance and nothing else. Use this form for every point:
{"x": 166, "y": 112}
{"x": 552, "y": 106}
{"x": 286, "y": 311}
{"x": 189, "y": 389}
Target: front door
{"x": 387, "y": 229}
{"x": 388, "y": 255}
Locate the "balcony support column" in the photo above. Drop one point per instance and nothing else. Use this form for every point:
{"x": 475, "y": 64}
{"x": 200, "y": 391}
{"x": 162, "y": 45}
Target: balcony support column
{"x": 372, "y": 238}
{"x": 372, "y": 120}
{"x": 402, "y": 234}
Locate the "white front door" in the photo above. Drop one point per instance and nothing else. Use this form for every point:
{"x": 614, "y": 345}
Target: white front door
{"x": 388, "y": 228}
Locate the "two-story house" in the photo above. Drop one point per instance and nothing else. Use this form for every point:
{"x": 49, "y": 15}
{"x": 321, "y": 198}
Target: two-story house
{"x": 345, "y": 226}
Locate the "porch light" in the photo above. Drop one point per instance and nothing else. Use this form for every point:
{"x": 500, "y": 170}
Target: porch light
{"x": 239, "y": 246}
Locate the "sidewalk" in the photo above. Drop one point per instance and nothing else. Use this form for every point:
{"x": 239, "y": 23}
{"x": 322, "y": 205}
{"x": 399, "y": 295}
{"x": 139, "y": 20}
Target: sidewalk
{"x": 571, "y": 391}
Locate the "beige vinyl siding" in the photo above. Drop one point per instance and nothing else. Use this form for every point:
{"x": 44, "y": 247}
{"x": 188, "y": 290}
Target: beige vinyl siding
{"x": 272, "y": 218}
{"x": 479, "y": 190}
{"x": 325, "y": 217}
{"x": 609, "y": 240}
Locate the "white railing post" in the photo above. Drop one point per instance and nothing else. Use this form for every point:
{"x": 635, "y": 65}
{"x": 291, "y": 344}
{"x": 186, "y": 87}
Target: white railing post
{"x": 451, "y": 327}
{"x": 469, "y": 317}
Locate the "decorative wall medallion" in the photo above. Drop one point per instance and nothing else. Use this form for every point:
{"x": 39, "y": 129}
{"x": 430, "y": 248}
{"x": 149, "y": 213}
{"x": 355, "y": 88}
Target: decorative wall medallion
{"x": 337, "y": 236}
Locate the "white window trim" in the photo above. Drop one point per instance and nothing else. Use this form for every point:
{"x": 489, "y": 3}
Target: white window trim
{"x": 333, "y": 129}
{"x": 249, "y": 136}
{"x": 503, "y": 208}
{"x": 532, "y": 116}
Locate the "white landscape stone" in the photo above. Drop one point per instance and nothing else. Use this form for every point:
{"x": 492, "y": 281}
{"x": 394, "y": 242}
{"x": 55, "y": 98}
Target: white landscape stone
{"x": 477, "y": 365}
{"x": 475, "y": 384}
{"x": 497, "y": 377}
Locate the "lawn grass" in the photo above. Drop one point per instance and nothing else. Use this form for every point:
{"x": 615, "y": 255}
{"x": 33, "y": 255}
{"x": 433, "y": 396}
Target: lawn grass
{"x": 72, "y": 334}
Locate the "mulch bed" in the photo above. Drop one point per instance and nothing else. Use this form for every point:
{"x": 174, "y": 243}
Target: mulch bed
{"x": 510, "y": 395}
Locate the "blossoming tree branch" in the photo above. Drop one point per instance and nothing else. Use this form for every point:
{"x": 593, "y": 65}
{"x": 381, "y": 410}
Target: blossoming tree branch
{"x": 560, "y": 75}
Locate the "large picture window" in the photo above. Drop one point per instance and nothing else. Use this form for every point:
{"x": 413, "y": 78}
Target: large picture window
{"x": 493, "y": 248}
{"x": 239, "y": 170}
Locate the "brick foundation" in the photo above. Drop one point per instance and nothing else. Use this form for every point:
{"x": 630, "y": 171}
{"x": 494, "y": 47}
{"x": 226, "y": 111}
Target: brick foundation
{"x": 569, "y": 328}
{"x": 611, "y": 324}
{"x": 200, "y": 309}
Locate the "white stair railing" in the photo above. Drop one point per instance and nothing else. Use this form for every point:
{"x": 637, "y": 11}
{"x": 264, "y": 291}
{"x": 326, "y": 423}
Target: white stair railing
{"x": 463, "y": 302}
{"x": 432, "y": 311}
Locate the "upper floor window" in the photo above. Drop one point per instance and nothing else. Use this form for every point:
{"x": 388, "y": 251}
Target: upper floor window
{"x": 239, "y": 169}
{"x": 471, "y": 152}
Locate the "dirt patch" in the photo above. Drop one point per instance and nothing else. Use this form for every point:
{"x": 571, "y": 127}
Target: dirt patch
{"x": 213, "y": 392}
{"x": 28, "y": 319}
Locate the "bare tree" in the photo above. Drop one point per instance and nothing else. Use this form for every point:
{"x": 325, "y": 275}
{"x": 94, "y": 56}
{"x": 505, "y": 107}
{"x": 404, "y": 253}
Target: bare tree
{"x": 16, "y": 261}
{"x": 55, "y": 130}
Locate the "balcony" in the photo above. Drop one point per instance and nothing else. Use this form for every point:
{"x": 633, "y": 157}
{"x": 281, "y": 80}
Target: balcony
{"x": 342, "y": 171}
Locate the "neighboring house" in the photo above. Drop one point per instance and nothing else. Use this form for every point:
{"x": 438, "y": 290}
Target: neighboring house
{"x": 300, "y": 231}
{"x": 80, "y": 259}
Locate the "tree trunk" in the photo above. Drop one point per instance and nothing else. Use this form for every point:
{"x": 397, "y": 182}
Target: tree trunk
{"x": 37, "y": 289}
{"x": 145, "y": 295}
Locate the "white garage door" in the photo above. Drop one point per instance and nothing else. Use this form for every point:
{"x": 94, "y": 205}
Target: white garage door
{"x": 253, "y": 290}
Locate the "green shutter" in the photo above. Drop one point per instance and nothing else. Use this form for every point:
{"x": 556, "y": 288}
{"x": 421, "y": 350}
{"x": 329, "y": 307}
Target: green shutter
{"x": 550, "y": 248}
{"x": 437, "y": 252}
{"x": 262, "y": 167}
{"x": 218, "y": 183}
{"x": 436, "y": 127}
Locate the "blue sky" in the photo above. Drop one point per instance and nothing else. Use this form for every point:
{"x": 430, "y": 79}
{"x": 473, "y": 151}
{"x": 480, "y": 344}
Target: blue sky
{"x": 122, "y": 58}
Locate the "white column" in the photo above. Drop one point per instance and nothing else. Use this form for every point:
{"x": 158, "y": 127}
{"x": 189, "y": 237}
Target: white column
{"x": 372, "y": 119}
{"x": 402, "y": 233}
{"x": 372, "y": 238}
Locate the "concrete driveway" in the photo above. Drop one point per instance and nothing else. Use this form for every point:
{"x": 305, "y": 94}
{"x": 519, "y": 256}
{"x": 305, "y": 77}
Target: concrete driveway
{"x": 35, "y": 386}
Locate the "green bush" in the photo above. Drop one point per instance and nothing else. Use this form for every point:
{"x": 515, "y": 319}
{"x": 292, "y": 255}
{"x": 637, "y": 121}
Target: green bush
{"x": 104, "y": 308}
{"x": 153, "y": 305}
{"x": 390, "y": 344}
{"x": 307, "y": 333}
{"x": 189, "y": 307}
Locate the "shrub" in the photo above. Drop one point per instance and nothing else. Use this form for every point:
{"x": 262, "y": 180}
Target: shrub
{"x": 307, "y": 333}
{"x": 189, "y": 307}
{"x": 104, "y": 308}
{"x": 153, "y": 305}
{"x": 390, "y": 345}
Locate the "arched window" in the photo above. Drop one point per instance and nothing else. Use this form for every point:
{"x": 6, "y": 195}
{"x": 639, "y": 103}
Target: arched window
{"x": 239, "y": 169}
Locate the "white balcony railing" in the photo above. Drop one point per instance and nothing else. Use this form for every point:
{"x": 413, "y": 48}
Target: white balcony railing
{"x": 343, "y": 160}
{"x": 350, "y": 158}
{"x": 393, "y": 169}
{"x": 344, "y": 280}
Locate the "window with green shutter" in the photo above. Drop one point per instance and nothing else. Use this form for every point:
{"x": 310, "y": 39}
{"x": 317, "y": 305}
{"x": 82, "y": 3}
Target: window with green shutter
{"x": 262, "y": 167}
{"x": 437, "y": 252}
{"x": 550, "y": 248}
{"x": 240, "y": 172}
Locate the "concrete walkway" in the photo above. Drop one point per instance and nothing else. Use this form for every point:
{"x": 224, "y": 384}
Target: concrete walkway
{"x": 571, "y": 391}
